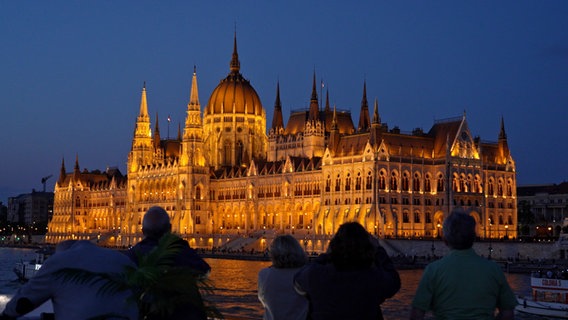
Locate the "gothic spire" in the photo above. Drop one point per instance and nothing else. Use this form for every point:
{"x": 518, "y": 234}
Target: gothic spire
{"x": 327, "y": 109}
{"x": 334, "y": 121}
{"x": 314, "y": 105}
{"x": 143, "y": 104}
{"x": 157, "y": 133}
{"x": 77, "y": 169}
{"x": 376, "y": 117}
{"x": 502, "y": 143}
{"x": 364, "y": 121}
{"x": 502, "y": 134}
{"x": 194, "y": 95}
{"x": 62, "y": 173}
{"x": 277, "y": 120}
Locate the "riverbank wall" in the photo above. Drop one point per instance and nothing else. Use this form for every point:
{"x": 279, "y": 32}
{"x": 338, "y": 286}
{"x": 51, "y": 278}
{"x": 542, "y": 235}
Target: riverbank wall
{"x": 500, "y": 250}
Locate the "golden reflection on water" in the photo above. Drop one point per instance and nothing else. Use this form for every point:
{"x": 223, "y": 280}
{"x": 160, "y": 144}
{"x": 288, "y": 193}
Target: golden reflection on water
{"x": 236, "y": 295}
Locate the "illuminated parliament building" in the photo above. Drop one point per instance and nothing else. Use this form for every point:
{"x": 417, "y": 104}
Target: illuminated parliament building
{"x": 227, "y": 177}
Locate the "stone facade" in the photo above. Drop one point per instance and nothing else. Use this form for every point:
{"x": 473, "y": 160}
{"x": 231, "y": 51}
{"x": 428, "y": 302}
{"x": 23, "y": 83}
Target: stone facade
{"x": 225, "y": 176}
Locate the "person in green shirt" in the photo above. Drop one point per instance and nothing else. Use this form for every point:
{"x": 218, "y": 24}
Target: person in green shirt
{"x": 463, "y": 285}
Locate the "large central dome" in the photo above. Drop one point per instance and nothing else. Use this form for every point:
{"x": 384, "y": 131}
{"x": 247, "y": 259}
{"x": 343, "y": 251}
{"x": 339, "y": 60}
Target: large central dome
{"x": 234, "y": 94}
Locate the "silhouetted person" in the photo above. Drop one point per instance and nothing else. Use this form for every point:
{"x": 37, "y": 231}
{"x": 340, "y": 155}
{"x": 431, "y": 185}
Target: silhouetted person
{"x": 155, "y": 224}
{"x": 463, "y": 285}
{"x": 74, "y": 300}
{"x": 276, "y": 283}
{"x": 352, "y": 280}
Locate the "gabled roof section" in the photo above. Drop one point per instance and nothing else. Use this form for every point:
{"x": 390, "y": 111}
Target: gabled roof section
{"x": 351, "y": 145}
{"x": 442, "y": 131}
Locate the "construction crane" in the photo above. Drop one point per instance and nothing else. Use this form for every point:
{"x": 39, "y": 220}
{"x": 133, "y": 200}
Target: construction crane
{"x": 44, "y": 180}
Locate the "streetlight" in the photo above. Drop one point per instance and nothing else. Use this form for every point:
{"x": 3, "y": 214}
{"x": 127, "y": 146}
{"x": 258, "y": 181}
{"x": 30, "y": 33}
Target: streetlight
{"x": 490, "y": 244}
{"x": 507, "y": 232}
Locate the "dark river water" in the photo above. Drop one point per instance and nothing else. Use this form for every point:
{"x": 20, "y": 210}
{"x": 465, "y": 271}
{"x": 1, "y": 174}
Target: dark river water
{"x": 236, "y": 281}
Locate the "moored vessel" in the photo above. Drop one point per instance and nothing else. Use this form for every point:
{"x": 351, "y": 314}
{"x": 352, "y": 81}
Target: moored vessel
{"x": 25, "y": 270}
{"x": 549, "y": 295}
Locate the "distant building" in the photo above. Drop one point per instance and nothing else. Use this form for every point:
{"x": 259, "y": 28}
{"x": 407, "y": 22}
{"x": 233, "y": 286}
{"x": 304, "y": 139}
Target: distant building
{"x": 31, "y": 208}
{"x": 225, "y": 175}
{"x": 548, "y": 205}
{"x": 3, "y": 213}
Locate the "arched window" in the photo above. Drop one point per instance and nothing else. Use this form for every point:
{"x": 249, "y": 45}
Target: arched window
{"x": 405, "y": 218}
{"x": 382, "y": 182}
{"x": 500, "y": 188}
{"x": 475, "y": 185}
{"x": 394, "y": 182}
{"x": 358, "y": 181}
{"x": 405, "y": 182}
{"x": 348, "y": 182}
{"x": 440, "y": 183}
{"x": 490, "y": 187}
{"x": 338, "y": 183}
{"x": 427, "y": 186}
{"x": 456, "y": 183}
{"x": 416, "y": 183}
{"x": 328, "y": 183}
{"x": 509, "y": 188}
{"x": 369, "y": 181}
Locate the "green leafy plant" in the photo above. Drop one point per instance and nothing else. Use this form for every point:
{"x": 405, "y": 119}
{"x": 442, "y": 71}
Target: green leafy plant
{"x": 158, "y": 286}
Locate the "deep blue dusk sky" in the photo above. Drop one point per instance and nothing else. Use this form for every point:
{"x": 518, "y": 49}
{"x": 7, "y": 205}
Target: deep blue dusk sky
{"x": 71, "y": 72}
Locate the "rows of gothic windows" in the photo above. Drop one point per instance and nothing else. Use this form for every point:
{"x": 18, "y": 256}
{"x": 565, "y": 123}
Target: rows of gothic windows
{"x": 406, "y": 184}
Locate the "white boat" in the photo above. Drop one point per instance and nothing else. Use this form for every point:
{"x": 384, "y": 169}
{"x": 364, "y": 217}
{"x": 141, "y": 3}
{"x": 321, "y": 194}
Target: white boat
{"x": 549, "y": 295}
{"x": 25, "y": 270}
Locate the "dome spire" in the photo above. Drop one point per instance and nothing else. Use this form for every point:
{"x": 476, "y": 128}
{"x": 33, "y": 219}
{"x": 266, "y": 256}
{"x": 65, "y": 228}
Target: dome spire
{"x": 235, "y": 64}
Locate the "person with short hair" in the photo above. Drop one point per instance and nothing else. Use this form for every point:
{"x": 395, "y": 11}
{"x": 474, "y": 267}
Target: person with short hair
{"x": 463, "y": 285}
{"x": 155, "y": 224}
{"x": 276, "y": 283}
{"x": 352, "y": 280}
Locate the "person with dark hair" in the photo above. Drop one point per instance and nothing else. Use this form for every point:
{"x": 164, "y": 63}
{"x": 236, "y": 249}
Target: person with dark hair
{"x": 155, "y": 224}
{"x": 351, "y": 280}
{"x": 276, "y": 283}
{"x": 463, "y": 285}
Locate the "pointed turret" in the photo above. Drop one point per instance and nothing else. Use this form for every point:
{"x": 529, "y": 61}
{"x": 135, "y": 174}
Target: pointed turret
{"x": 277, "y": 120}
{"x": 314, "y": 104}
{"x": 376, "y": 117}
{"x": 76, "y": 169}
{"x": 157, "y": 133}
{"x": 502, "y": 144}
{"x": 62, "y": 172}
{"x": 364, "y": 120}
{"x": 142, "y": 147}
{"x": 143, "y": 104}
{"x": 334, "y": 133}
{"x": 194, "y": 95}
{"x": 502, "y": 134}
{"x": 327, "y": 109}
{"x": 375, "y": 125}
{"x": 193, "y": 129}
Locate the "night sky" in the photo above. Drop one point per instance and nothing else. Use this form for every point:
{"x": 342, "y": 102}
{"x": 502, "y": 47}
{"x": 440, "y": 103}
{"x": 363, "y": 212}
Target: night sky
{"x": 71, "y": 72}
